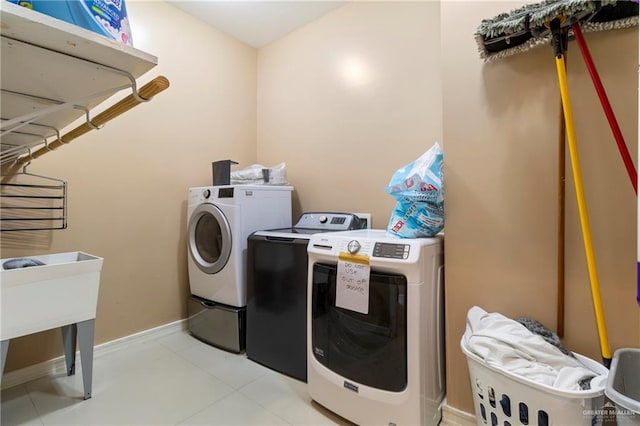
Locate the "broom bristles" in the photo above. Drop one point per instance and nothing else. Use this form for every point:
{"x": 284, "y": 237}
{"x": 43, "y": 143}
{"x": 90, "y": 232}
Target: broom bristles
{"x": 532, "y": 18}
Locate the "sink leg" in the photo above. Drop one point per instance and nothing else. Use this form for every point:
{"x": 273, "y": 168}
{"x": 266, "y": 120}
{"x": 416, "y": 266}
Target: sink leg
{"x": 85, "y": 340}
{"x": 69, "y": 333}
{"x": 5, "y": 349}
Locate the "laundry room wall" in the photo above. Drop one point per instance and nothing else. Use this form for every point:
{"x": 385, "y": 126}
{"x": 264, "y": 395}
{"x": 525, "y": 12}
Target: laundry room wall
{"x": 345, "y": 101}
{"x": 500, "y": 125}
{"x": 348, "y": 99}
{"x": 128, "y": 182}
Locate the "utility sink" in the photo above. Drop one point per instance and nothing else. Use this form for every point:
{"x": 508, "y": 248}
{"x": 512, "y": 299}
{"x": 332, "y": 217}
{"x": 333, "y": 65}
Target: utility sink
{"x": 61, "y": 293}
{"x": 37, "y": 298}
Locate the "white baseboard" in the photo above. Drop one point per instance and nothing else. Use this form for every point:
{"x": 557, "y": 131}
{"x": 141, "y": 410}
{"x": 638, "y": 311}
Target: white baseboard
{"x": 57, "y": 365}
{"x": 453, "y": 417}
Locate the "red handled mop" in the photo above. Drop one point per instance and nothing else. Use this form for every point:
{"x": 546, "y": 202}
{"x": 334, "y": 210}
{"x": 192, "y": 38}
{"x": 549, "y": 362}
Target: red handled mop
{"x": 604, "y": 100}
{"x": 538, "y": 24}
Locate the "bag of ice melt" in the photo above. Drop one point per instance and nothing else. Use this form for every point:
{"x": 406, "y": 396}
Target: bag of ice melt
{"x": 419, "y": 191}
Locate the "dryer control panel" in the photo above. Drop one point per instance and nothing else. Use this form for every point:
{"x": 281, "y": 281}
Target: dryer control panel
{"x": 391, "y": 251}
{"x": 371, "y": 248}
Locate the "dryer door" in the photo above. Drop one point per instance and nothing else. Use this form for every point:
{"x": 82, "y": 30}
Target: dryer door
{"x": 209, "y": 236}
{"x": 370, "y": 349}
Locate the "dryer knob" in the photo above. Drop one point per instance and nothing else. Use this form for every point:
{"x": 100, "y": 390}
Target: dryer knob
{"x": 323, "y": 219}
{"x": 206, "y": 194}
{"x": 353, "y": 247}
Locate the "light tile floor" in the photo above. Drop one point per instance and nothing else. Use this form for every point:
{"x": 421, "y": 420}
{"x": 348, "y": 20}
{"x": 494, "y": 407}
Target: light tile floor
{"x": 171, "y": 380}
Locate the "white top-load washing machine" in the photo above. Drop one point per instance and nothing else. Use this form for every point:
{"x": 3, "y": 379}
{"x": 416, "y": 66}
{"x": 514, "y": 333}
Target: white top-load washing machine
{"x": 219, "y": 221}
{"x": 375, "y": 326}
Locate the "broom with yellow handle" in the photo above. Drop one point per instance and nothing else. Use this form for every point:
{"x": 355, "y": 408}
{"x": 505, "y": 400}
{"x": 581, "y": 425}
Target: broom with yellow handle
{"x": 550, "y": 22}
{"x": 554, "y": 25}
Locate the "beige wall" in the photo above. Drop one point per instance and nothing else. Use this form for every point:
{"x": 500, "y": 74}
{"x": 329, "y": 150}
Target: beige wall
{"x": 345, "y": 101}
{"x": 499, "y": 123}
{"x": 128, "y": 182}
{"x": 348, "y": 99}
{"x": 500, "y": 131}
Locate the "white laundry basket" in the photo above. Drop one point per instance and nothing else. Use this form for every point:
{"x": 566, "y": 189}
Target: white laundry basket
{"x": 503, "y": 398}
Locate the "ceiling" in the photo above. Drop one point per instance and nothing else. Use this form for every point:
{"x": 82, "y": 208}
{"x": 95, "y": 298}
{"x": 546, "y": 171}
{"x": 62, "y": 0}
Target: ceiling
{"x": 256, "y": 23}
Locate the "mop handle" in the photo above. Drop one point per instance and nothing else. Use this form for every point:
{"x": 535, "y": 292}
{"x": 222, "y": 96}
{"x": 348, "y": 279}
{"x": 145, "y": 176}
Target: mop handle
{"x": 582, "y": 210}
{"x": 608, "y": 111}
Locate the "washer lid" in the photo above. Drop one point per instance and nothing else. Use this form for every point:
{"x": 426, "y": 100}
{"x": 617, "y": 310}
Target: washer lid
{"x": 313, "y": 223}
{"x": 284, "y": 234}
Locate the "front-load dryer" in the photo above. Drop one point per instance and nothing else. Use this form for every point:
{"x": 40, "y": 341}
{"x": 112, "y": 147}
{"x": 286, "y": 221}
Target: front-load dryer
{"x": 219, "y": 221}
{"x": 376, "y": 327}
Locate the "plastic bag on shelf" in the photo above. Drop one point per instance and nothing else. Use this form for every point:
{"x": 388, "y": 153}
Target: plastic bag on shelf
{"x": 259, "y": 174}
{"x": 419, "y": 191}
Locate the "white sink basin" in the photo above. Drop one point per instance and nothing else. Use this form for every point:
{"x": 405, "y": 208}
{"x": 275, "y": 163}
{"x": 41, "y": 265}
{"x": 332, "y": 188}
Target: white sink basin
{"x": 63, "y": 291}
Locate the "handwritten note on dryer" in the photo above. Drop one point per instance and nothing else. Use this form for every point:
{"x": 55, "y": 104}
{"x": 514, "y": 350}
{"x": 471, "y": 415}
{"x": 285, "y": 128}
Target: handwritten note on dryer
{"x": 352, "y": 284}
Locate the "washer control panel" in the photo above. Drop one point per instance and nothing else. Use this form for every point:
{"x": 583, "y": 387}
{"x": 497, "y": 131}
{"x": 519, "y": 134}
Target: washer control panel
{"x": 328, "y": 221}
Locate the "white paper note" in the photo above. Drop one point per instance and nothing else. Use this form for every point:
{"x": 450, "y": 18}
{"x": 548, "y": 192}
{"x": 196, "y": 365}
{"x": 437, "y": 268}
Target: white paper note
{"x": 352, "y": 284}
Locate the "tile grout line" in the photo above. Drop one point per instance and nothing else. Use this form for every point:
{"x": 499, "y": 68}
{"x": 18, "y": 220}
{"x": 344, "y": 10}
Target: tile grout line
{"x": 57, "y": 365}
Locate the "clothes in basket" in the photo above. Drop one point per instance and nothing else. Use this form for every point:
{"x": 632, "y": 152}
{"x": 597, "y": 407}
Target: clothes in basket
{"x": 507, "y": 344}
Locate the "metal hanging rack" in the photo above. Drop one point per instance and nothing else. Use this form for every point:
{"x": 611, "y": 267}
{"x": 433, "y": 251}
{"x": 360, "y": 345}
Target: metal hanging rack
{"x": 21, "y": 133}
{"x": 31, "y": 202}
{"x": 14, "y": 158}
{"x": 53, "y": 74}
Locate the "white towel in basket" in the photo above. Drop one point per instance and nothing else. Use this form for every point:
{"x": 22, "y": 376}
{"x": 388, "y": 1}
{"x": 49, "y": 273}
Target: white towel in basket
{"x": 507, "y": 344}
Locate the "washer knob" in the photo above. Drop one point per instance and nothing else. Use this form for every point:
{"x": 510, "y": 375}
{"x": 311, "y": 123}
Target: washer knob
{"x": 323, "y": 219}
{"x": 353, "y": 247}
{"x": 206, "y": 194}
